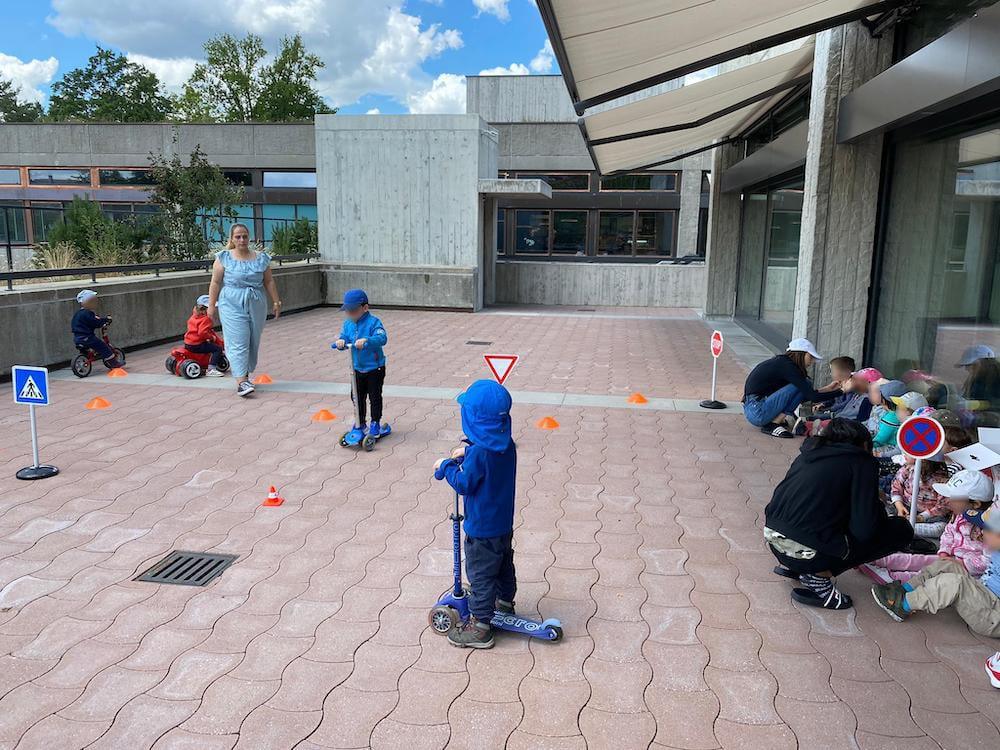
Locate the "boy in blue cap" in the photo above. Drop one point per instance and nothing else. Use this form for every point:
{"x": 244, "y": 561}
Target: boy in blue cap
{"x": 85, "y": 325}
{"x": 483, "y": 471}
{"x": 366, "y": 334}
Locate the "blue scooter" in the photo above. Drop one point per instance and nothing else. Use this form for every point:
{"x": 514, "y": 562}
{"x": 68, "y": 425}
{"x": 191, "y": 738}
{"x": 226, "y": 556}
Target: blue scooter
{"x": 358, "y": 435}
{"x": 453, "y": 607}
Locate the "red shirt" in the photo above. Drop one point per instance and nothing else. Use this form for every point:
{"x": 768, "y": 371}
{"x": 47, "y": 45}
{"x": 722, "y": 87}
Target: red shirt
{"x": 200, "y": 330}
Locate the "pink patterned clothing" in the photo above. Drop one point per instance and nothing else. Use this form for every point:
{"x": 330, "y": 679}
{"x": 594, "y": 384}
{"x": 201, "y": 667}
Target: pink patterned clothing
{"x": 929, "y": 503}
{"x": 957, "y": 541}
{"x": 902, "y": 566}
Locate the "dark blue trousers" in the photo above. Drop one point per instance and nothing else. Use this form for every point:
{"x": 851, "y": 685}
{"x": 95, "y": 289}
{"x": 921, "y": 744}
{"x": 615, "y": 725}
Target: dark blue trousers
{"x": 489, "y": 566}
{"x": 97, "y": 344}
{"x": 207, "y": 347}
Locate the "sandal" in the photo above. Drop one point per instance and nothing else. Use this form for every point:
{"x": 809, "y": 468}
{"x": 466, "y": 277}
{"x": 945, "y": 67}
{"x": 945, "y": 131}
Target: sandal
{"x": 834, "y": 600}
{"x": 781, "y": 570}
{"x": 776, "y": 430}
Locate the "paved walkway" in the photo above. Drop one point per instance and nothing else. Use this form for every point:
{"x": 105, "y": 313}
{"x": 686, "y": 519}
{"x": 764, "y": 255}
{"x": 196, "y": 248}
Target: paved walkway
{"x": 639, "y": 528}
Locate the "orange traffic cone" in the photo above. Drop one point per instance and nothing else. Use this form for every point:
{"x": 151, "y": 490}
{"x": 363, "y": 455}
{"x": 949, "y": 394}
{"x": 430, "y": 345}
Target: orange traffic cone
{"x": 546, "y": 423}
{"x": 117, "y": 372}
{"x": 324, "y": 415}
{"x": 273, "y": 500}
{"x": 637, "y": 398}
{"x": 98, "y": 403}
{"x": 262, "y": 379}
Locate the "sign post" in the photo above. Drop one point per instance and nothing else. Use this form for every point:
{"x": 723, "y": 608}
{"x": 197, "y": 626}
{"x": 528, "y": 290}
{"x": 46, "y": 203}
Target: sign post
{"x": 919, "y": 438}
{"x": 717, "y": 344}
{"x": 31, "y": 387}
{"x": 500, "y": 365}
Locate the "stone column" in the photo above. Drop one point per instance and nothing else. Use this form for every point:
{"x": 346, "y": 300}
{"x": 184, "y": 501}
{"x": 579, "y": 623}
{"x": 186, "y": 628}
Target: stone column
{"x": 840, "y": 198}
{"x": 723, "y": 250}
{"x": 690, "y": 208}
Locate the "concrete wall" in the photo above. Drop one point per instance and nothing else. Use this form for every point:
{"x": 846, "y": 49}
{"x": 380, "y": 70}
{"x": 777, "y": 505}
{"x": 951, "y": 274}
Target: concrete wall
{"x": 723, "y": 238}
{"x": 399, "y": 195}
{"x": 554, "y": 283}
{"x": 279, "y": 145}
{"x": 34, "y": 322}
{"x": 499, "y": 99}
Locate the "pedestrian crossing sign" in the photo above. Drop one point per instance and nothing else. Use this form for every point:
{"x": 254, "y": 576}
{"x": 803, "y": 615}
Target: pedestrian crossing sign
{"x": 31, "y": 385}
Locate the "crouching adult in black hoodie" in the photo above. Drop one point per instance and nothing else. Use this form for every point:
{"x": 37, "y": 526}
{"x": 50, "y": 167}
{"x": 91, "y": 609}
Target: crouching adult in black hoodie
{"x": 825, "y": 516}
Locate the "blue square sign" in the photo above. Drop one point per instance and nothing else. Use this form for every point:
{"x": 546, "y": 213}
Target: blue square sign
{"x": 31, "y": 385}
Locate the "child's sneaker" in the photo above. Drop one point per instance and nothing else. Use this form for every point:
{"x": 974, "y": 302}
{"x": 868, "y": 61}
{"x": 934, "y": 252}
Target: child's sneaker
{"x": 472, "y": 634}
{"x": 244, "y": 389}
{"x": 876, "y": 572}
{"x": 213, "y": 372}
{"x": 890, "y": 597}
{"x": 374, "y": 430}
{"x": 993, "y": 669}
{"x": 504, "y": 606}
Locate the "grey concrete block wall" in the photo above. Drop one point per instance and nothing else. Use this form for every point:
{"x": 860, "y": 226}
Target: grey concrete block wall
{"x": 395, "y": 286}
{"x": 723, "y": 252}
{"x": 34, "y": 323}
{"x": 499, "y": 99}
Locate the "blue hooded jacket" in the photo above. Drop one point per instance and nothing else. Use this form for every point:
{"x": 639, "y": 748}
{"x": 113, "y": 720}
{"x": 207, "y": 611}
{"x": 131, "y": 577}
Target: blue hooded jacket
{"x": 485, "y": 477}
{"x": 367, "y": 327}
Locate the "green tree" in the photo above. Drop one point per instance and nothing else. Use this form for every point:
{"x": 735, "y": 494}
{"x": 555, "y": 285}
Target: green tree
{"x": 299, "y": 236}
{"x": 99, "y": 239}
{"x": 237, "y": 84}
{"x": 109, "y": 88}
{"x": 12, "y": 109}
{"x": 194, "y": 200}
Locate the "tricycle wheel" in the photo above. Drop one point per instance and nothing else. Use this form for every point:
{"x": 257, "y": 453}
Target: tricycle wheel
{"x": 81, "y": 366}
{"x": 191, "y": 370}
{"x": 171, "y": 365}
{"x": 442, "y": 619}
{"x": 368, "y": 443}
{"x": 119, "y": 355}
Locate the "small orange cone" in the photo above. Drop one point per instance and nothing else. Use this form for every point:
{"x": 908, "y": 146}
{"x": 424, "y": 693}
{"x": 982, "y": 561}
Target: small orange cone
{"x": 546, "y": 423}
{"x": 117, "y": 372}
{"x": 324, "y": 415}
{"x": 637, "y": 398}
{"x": 263, "y": 379}
{"x": 273, "y": 501}
{"x": 98, "y": 403}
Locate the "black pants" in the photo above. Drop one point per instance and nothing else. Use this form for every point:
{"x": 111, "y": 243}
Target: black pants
{"x": 895, "y": 535}
{"x": 489, "y": 565}
{"x": 370, "y": 389}
{"x": 207, "y": 347}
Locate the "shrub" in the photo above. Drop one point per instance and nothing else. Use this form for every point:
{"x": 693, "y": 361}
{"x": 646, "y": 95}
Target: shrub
{"x": 300, "y": 236}
{"x": 60, "y": 255}
{"x": 86, "y": 228}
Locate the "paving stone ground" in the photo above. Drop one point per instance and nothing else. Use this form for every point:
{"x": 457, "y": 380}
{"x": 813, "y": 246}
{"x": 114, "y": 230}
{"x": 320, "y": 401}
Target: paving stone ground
{"x": 640, "y": 530}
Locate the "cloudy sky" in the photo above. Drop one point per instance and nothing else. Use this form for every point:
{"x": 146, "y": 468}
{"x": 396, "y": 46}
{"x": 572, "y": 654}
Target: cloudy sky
{"x": 381, "y": 55}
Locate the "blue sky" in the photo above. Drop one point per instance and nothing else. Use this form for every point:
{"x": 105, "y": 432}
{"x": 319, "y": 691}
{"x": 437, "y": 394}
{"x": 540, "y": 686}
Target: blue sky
{"x": 386, "y": 55}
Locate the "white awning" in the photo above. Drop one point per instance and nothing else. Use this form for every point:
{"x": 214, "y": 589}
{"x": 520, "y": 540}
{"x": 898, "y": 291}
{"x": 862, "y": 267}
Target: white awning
{"x": 668, "y": 125}
{"x": 611, "y": 49}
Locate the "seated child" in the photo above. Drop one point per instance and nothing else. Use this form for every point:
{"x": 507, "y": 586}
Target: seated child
{"x": 483, "y": 472}
{"x": 932, "y": 511}
{"x": 947, "y": 583}
{"x": 201, "y": 337}
{"x": 85, "y": 325}
{"x": 853, "y": 404}
{"x": 887, "y": 423}
{"x": 966, "y": 490}
{"x": 366, "y": 334}
{"x": 909, "y": 403}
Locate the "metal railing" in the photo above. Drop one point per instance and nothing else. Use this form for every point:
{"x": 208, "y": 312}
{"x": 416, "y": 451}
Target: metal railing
{"x": 133, "y": 268}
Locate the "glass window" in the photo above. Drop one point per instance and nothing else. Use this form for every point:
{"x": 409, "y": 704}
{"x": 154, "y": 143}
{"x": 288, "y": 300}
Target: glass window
{"x": 238, "y": 177}
{"x": 44, "y": 216}
{"x": 531, "y": 232}
{"x": 10, "y": 176}
{"x": 560, "y": 181}
{"x": 290, "y": 180}
{"x": 501, "y": 228}
{"x": 654, "y": 232}
{"x": 939, "y": 300}
{"x": 782, "y": 267}
{"x": 306, "y": 211}
{"x": 125, "y": 177}
{"x": 614, "y": 234}
{"x": 118, "y": 211}
{"x": 73, "y": 177}
{"x": 218, "y": 230}
{"x": 12, "y": 226}
{"x": 569, "y": 232}
{"x": 276, "y": 215}
{"x": 666, "y": 181}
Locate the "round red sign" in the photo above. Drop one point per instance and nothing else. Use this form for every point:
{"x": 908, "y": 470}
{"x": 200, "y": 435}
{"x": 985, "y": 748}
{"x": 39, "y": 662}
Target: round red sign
{"x": 716, "y": 343}
{"x": 920, "y": 437}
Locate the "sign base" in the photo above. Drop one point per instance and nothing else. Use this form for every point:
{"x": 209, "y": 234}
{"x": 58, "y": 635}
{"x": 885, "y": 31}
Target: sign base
{"x": 37, "y": 472}
{"x": 711, "y": 404}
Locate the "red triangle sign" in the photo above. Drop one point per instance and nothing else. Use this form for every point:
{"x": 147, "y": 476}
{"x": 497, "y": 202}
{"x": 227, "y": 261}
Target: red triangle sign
{"x": 500, "y": 365}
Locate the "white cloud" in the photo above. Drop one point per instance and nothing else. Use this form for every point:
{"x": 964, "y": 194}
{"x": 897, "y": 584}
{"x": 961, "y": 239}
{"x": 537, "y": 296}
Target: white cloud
{"x": 367, "y": 46}
{"x": 374, "y": 111}
{"x": 544, "y": 61}
{"x": 173, "y": 72}
{"x": 28, "y": 76}
{"x": 446, "y": 95}
{"x": 496, "y": 8}
{"x": 514, "y": 69}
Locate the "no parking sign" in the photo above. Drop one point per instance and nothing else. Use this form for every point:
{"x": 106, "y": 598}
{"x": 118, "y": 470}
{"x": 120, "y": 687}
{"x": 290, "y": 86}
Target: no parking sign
{"x": 919, "y": 438}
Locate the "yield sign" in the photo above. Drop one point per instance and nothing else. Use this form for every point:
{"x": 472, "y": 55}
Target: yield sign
{"x": 500, "y": 365}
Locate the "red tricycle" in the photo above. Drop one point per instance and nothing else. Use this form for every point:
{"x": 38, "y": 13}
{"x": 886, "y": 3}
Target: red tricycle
{"x": 192, "y": 365}
{"x": 84, "y": 361}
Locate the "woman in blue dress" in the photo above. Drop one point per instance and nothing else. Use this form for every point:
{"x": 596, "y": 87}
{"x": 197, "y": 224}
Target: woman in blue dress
{"x": 239, "y": 277}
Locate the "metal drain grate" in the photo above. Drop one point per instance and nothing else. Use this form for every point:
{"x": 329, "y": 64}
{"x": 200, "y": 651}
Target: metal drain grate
{"x": 473, "y": 342}
{"x": 187, "y": 568}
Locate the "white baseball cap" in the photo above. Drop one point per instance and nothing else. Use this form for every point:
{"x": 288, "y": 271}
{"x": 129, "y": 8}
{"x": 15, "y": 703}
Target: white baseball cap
{"x": 967, "y": 483}
{"x": 803, "y": 345}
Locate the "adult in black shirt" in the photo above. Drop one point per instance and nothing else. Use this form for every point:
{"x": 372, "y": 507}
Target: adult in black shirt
{"x": 776, "y": 387}
{"x": 826, "y": 517}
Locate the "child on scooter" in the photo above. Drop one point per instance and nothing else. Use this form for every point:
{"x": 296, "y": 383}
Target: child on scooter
{"x": 85, "y": 325}
{"x": 201, "y": 337}
{"x": 483, "y": 471}
{"x": 367, "y": 335}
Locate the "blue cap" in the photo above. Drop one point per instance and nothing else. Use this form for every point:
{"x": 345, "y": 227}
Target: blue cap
{"x": 353, "y": 299}
{"x": 202, "y": 301}
{"x": 893, "y": 388}
{"x": 975, "y": 353}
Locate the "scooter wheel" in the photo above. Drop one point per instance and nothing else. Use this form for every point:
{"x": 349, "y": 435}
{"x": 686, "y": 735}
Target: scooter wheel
{"x": 368, "y": 443}
{"x": 343, "y": 440}
{"x": 442, "y": 619}
{"x": 557, "y": 633}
